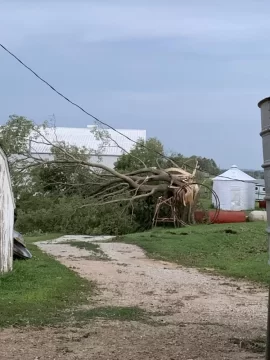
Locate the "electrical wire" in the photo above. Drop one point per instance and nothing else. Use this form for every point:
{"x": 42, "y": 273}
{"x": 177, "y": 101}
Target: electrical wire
{"x": 216, "y": 204}
{"x": 94, "y": 117}
{"x": 78, "y": 106}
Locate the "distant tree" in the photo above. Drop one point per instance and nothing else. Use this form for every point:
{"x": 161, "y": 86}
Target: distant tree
{"x": 143, "y": 154}
{"x": 14, "y": 135}
{"x": 256, "y": 174}
{"x": 208, "y": 165}
{"x": 205, "y": 165}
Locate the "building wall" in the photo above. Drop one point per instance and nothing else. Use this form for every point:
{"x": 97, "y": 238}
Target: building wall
{"x": 260, "y": 192}
{"x": 6, "y": 216}
{"x": 107, "y": 160}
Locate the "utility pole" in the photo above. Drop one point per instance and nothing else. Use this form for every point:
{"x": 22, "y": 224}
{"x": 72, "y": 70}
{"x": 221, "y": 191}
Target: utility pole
{"x": 264, "y": 105}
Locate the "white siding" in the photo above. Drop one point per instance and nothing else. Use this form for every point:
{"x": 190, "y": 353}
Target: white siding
{"x": 83, "y": 137}
{"x": 107, "y": 160}
{"x": 235, "y": 189}
{"x": 260, "y": 192}
{"x": 235, "y": 195}
{"x": 6, "y": 216}
{"x": 111, "y": 150}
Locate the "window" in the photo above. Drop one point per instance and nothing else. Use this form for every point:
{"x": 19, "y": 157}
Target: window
{"x": 256, "y": 188}
{"x": 263, "y": 189}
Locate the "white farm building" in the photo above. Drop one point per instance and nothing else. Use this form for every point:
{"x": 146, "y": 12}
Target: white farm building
{"x": 235, "y": 189}
{"x": 112, "y": 148}
{"x": 260, "y": 189}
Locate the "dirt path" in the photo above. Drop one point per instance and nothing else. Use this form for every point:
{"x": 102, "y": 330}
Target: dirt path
{"x": 200, "y": 316}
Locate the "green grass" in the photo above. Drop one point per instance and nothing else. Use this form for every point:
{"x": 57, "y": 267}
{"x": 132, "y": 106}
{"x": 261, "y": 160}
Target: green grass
{"x": 204, "y": 203}
{"x": 44, "y": 237}
{"x": 40, "y": 291}
{"x": 96, "y": 252}
{"x": 240, "y": 252}
{"x": 112, "y": 313}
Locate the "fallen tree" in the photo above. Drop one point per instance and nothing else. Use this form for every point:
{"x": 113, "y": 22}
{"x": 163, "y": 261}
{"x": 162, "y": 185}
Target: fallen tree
{"x": 174, "y": 183}
{"x": 69, "y": 168}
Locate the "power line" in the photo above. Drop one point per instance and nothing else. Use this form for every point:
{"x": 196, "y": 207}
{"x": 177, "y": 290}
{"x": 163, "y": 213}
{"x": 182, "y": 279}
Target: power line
{"x": 92, "y": 116}
{"x": 76, "y": 105}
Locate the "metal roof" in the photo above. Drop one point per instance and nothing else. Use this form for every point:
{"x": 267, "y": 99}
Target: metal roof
{"x": 83, "y": 137}
{"x": 234, "y": 173}
{"x": 260, "y": 182}
{"x": 6, "y": 165}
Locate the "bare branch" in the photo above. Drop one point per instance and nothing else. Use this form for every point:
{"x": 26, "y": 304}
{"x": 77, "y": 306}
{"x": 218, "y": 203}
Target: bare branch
{"x": 173, "y": 163}
{"x": 126, "y": 152}
{"x": 138, "y": 197}
{"x": 107, "y": 189}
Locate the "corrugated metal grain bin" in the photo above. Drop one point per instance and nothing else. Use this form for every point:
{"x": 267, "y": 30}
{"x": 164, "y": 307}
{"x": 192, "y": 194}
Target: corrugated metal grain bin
{"x": 235, "y": 189}
{"x": 7, "y": 206}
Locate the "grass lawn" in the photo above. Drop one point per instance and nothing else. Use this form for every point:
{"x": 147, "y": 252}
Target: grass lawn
{"x": 39, "y": 291}
{"x": 237, "y": 250}
{"x": 113, "y": 313}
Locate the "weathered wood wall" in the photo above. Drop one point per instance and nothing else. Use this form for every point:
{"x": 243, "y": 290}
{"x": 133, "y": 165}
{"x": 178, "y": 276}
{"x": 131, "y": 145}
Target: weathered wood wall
{"x": 6, "y": 216}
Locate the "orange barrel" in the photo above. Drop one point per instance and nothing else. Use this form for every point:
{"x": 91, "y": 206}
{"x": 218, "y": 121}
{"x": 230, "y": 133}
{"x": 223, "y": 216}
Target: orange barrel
{"x": 262, "y": 204}
{"x": 201, "y": 216}
{"x": 223, "y": 217}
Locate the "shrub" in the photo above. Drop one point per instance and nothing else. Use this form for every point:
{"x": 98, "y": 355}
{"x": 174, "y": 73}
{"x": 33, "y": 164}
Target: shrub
{"x": 64, "y": 215}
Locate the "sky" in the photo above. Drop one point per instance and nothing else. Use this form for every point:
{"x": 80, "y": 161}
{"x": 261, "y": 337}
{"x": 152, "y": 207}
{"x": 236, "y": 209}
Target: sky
{"x": 189, "y": 72}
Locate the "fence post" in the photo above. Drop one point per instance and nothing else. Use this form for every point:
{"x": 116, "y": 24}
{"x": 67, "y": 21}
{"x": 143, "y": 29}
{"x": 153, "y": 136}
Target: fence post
{"x": 264, "y": 105}
{"x": 7, "y": 206}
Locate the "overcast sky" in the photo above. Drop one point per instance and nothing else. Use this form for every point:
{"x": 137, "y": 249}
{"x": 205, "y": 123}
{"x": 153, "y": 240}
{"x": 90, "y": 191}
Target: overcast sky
{"x": 189, "y": 72}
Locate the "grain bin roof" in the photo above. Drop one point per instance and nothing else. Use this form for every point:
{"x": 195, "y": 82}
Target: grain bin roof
{"x": 260, "y": 182}
{"x": 234, "y": 174}
{"x": 263, "y": 101}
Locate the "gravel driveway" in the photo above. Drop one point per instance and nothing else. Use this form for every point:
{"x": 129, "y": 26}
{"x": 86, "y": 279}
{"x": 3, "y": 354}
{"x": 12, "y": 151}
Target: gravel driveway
{"x": 197, "y": 316}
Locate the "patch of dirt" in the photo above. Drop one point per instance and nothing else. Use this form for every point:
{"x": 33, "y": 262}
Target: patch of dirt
{"x": 196, "y": 315}
{"x": 121, "y": 341}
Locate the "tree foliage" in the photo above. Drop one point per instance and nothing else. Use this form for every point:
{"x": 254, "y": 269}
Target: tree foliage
{"x": 14, "y": 135}
{"x": 205, "y": 165}
{"x": 143, "y": 154}
{"x": 61, "y": 177}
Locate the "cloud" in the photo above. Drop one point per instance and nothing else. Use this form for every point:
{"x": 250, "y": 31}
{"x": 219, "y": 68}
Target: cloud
{"x": 94, "y": 21}
{"x": 155, "y": 64}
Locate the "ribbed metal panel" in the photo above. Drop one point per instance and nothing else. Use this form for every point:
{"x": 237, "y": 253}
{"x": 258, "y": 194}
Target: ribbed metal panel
{"x": 265, "y": 134}
{"x": 83, "y": 137}
{"x": 6, "y": 216}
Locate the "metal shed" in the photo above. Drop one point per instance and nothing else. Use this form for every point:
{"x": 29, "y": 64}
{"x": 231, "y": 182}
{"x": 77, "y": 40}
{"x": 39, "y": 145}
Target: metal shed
{"x": 260, "y": 189}
{"x": 7, "y": 206}
{"x": 235, "y": 189}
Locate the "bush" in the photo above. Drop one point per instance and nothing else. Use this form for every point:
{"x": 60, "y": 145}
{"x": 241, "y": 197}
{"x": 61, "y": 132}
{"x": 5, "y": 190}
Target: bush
{"x": 64, "y": 215}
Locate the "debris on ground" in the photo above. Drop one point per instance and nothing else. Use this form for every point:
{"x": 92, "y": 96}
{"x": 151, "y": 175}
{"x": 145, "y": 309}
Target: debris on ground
{"x": 19, "y": 249}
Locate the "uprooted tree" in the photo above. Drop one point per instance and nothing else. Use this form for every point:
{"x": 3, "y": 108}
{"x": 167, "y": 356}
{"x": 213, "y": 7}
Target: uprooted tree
{"x": 68, "y": 168}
